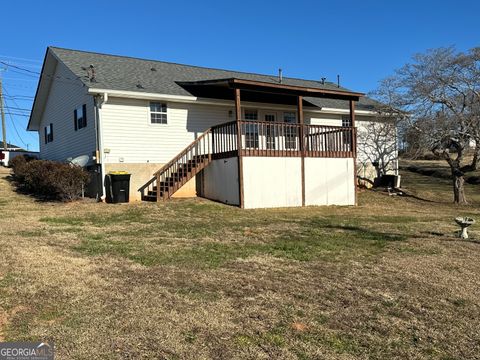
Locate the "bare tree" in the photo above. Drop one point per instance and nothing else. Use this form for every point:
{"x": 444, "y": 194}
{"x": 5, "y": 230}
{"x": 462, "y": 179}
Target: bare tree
{"x": 377, "y": 145}
{"x": 438, "y": 97}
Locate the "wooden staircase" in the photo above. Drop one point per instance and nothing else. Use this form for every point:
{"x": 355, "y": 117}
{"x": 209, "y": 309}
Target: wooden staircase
{"x": 178, "y": 171}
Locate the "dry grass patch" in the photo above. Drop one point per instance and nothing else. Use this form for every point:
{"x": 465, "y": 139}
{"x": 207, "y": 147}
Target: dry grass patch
{"x": 192, "y": 279}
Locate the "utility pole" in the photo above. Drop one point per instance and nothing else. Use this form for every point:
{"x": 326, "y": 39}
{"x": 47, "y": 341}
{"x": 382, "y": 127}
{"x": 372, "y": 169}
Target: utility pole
{"x": 2, "y": 111}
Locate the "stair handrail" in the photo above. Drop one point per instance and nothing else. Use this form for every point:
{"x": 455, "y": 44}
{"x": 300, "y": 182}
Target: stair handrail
{"x": 175, "y": 159}
{"x": 183, "y": 152}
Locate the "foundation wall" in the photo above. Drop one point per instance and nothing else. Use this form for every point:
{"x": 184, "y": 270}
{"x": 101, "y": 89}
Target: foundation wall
{"x": 141, "y": 173}
{"x": 220, "y": 181}
{"x": 329, "y": 181}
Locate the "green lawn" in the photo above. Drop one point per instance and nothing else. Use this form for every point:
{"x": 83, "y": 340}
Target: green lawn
{"x": 194, "y": 279}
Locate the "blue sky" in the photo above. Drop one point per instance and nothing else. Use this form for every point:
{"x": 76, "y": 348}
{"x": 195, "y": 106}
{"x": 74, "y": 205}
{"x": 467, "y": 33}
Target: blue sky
{"x": 363, "y": 41}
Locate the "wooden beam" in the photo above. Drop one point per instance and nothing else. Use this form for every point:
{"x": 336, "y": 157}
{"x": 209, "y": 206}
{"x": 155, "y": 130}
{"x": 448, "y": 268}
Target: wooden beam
{"x": 238, "y": 116}
{"x": 354, "y": 147}
{"x": 302, "y": 90}
{"x": 301, "y": 121}
{"x": 352, "y": 112}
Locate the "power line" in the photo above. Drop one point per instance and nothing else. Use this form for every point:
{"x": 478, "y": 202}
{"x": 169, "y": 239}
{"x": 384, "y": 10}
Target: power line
{"x": 61, "y": 79}
{"x": 19, "y": 58}
{"x": 11, "y": 98}
{"x": 15, "y": 128}
{"x": 23, "y": 65}
{"x": 36, "y": 73}
{"x": 16, "y": 114}
{"x": 17, "y": 108}
{"x": 20, "y": 79}
{"x": 16, "y": 104}
{"x": 20, "y": 97}
{"x": 22, "y": 86}
{"x": 19, "y": 68}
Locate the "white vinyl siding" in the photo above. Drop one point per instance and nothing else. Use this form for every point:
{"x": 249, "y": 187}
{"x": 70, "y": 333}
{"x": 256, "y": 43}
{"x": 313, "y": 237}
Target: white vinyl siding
{"x": 66, "y": 94}
{"x": 323, "y": 119}
{"x": 130, "y": 137}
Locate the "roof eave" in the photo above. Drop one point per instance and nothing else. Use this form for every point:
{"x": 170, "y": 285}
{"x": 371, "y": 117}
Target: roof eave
{"x": 261, "y": 86}
{"x": 35, "y": 105}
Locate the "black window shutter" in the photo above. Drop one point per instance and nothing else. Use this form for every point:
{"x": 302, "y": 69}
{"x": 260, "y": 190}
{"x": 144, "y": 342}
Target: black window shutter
{"x": 46, "y": 138}
{"x": 84, "y": 115}
{"x": 75, "y": 119}
{"x": 51, "y": 132}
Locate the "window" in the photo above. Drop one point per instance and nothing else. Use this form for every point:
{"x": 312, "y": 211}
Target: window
{"x": 80, "y": 117}
{"x": 158, "y": 113}
{"x": 346, "y": 121}
{"x": 48, "y": 133}
{"x": 346, "y": 135}
{"x": 290, "y": 131}
{"x": 251, "y": 130}
{"x": 251, "y": 115}
{"x": 269, "y": 131}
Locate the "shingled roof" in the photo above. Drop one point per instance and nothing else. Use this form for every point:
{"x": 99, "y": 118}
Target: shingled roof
{"x": 124, "y": 73}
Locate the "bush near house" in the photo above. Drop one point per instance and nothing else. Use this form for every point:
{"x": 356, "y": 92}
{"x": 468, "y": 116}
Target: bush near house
{"x": 49, "y": 179}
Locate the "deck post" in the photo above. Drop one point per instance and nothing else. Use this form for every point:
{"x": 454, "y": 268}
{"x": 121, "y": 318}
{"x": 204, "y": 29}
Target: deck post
{"x": 238, "y": 116}
{"x": 158, "y": 187}
{"x": 302, "y": 143}
{"x": 354, "y": 147}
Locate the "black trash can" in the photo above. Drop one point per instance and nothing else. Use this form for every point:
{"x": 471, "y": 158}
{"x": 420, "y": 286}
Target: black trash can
{"x": 118, "y": 187}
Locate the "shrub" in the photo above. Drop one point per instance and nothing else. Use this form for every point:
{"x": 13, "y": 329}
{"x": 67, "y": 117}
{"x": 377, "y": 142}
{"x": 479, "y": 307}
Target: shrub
{"x": 50, "y": 179}
{"x": 18, "y": 164}
{"x": 69, "y": 181}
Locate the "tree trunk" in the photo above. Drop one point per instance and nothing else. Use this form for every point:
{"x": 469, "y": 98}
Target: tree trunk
{"x": 459, "y": 190}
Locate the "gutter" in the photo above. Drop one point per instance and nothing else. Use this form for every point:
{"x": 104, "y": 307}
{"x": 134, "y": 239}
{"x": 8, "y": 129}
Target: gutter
{"x": 218, "y": 102}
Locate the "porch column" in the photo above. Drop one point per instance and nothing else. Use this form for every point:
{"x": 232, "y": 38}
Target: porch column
{"x": 238, "y": 116}
{"x": 301, "y": 143}
{"x": 352, "y": 112}
{"x": 354, "y": 146}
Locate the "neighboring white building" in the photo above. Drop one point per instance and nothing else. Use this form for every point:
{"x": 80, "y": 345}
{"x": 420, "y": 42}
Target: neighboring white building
{"x": 13, "y": 151}
{"x": 239, "y": 138}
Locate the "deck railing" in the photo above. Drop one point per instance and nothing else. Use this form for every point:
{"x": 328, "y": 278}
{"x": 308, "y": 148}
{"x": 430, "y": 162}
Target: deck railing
{"x": 330, "y": 141}
{"x": 257, "y": 138}
{"x": 178, "y": 171}
{"x": 224, "y": 140}
{"x": 262, "y": 138}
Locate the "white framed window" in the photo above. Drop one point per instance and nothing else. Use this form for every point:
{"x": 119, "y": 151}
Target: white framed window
{"x": 346, "y": 135}
{"x": 290, "y": 132}
{"x": 346, "y": 121}
{"x": 158, "y": 113}
{"x": 251, "y": 130}
{"x": 80, "y": 117}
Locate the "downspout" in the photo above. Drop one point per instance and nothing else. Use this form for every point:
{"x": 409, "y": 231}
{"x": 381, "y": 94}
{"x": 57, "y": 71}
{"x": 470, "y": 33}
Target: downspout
{"x": 99, "y": 100}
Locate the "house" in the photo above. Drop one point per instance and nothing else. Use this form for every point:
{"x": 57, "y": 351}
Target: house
{"x": 13, "y": 151}
{"x": 240, "y": 138}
